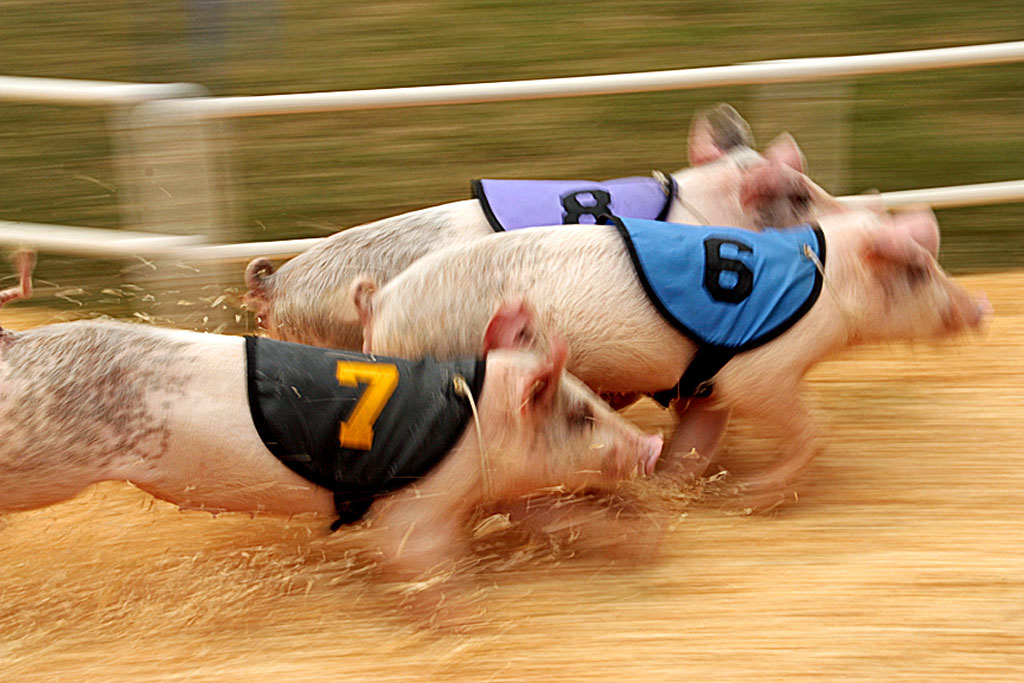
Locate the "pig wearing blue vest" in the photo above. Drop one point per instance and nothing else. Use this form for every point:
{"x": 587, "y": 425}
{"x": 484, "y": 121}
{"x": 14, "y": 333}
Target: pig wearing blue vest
{"x": 711, "y": 321}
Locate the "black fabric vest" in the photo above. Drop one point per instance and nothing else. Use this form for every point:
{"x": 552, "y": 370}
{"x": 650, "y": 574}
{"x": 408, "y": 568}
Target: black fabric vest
{"x": 358, "y": 425}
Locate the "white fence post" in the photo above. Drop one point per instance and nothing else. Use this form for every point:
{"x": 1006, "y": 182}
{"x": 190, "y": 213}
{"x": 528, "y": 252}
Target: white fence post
{"x": 181, "y": 183}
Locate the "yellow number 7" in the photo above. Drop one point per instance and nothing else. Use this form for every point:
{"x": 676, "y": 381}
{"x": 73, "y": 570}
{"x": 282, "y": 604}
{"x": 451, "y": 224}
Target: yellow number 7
{"x": 381, "y": 380}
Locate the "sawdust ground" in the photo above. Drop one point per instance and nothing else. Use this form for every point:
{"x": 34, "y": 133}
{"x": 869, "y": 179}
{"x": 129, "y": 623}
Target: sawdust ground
{"x": 902, "y": 560}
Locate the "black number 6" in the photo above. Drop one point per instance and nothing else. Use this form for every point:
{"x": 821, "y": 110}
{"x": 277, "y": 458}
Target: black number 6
{"x": 715, "y": 264}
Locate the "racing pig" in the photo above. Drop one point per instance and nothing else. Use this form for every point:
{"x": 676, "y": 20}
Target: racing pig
{"x": 728, "y": 184}
{"x": 222, "y": 423}
{"x": 709, "y": 320}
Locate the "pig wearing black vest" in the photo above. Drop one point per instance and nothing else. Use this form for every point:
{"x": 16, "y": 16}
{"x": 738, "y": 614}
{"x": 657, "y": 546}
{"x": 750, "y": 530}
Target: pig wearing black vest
{"x": 210, "y": 422}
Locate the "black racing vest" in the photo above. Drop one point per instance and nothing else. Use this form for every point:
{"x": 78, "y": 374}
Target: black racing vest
{"x": 358, "y": 425}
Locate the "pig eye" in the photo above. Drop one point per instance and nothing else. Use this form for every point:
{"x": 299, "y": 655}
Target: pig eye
{"x": 580, "y": 415}
{"x": 916, "y": 274}
{"x": 801, "y": 201}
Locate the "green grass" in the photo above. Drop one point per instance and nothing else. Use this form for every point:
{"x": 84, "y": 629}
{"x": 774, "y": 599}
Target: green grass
{"x": 311, "y": 174}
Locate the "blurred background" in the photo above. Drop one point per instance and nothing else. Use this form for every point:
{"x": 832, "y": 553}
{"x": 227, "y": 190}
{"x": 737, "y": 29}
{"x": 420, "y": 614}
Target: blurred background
{"x": 311, "y": 175}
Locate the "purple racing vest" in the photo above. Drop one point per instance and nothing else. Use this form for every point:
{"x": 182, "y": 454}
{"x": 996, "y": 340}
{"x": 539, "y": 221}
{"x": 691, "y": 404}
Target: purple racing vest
{"x": 515, "y": 204}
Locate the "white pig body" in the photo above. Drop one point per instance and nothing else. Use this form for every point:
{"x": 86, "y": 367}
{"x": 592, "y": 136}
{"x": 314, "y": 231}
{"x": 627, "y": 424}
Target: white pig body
{"x": 881, "y": 282}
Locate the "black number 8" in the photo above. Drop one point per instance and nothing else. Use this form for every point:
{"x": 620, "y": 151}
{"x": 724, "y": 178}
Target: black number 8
{"x": 574, "y": 208}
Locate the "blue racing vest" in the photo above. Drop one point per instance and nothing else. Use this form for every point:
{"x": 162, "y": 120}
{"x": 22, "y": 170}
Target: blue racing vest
{"x": 515, "y": 204}
{"x": 357, "y": 425}
{"x": 727, "y": 289}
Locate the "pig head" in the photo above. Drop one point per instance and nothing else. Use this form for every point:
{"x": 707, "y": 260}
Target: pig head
{"x": 729, "y": 183}
{"x": 882, "y": 283}
{"x": 538, "y": 430}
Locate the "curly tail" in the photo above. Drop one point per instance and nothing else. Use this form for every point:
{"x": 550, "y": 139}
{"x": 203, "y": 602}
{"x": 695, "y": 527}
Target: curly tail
{"x": 257, "y": 274}
{"x": 361, "y": 293}
{"x": 25, "y": 261}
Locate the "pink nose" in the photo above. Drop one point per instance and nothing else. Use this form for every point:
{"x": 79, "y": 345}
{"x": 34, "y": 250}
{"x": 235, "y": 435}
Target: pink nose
{"x": 967, "y": 313}
{"x": 650, "y": 451}
{"x": 984, "y": 310}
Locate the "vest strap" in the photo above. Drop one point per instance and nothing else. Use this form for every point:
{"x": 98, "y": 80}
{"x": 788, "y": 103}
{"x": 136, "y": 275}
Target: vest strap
{"x": 696, "y": 381}
{"x": 350, "y": 508}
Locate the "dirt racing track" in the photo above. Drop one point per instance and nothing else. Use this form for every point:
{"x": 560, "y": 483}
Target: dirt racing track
{"x": 902, "y": 560}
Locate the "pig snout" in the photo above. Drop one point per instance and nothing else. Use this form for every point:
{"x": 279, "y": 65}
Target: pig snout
{"x": 967, "y": 312}
{"x": 650, "y": 451}
{"x": 640, "y": 457}
{"x": 939, "y": 309}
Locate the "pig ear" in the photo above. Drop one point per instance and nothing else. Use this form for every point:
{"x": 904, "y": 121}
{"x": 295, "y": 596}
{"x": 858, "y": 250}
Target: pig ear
{"x": 784, "y": 150}
{"x": 541, "y": 384}
{"x": 511, "y": 327}
{"x": 922, "y": 226}
{"x": 899, "y": 243}
{"x": 872, "y": 201}
{"x": 714, "y": 132}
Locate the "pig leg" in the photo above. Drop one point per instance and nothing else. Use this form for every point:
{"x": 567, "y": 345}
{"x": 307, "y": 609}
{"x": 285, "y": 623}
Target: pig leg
{"x": 422, "y": 527}
{"x": 421, "y": 537}
{"x": 695, "y": 442}
{"x": 589, "y": 525}
{"x": 417, "y": 537}
{"x": 788, "y": 418}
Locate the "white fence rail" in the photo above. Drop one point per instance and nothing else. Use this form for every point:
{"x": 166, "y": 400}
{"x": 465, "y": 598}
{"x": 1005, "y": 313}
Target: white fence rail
{"x": 90, "y": 93}
{"x": 776, "y": 71}
{"x": 95, "y": 242}
{"x": 184, "y": 102}
{"x": 102, "y": 242}
{"x": 979, "y": 194}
